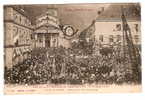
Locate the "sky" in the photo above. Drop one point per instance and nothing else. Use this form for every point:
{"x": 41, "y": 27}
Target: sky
{"x": 79, "y": 16}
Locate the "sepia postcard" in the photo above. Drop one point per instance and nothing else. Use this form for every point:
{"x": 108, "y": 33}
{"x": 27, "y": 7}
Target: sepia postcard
{"x": 72, "y": 48}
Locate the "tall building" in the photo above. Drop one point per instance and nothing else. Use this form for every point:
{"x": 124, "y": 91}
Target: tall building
{"x": 109, "y": 28}
{"x": 50, "y": 33}
{"x": 17, "y": 35}
{"x": 47, "y": 31}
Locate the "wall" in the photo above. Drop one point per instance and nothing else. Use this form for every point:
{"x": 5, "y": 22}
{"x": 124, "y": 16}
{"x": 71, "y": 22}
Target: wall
{"x": 17, "y": 36}
{"x": 108, "y": 28}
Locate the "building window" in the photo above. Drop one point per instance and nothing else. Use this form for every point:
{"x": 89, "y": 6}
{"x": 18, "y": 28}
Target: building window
{"x": 136, "y": 38}
{"x": 118, "y": 27}
{"x": 20, "y": 19}
{"x": 15, "y": 29}
{"x": 101, "y": 38}
{"x": 118, "y": 38}
{"x": 111, "y": 38}
{"x": 24, "y": 34}
{"x": 40, "y": 39}
{"x": 16, "y": 43}
{"x": 15, "y": 17}
{"x": 31, "y": 36}
{"x": 136, "y": 27}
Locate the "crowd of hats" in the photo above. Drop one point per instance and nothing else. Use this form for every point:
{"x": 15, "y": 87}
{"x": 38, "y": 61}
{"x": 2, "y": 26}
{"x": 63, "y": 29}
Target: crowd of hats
{"x": 63, "y": 66}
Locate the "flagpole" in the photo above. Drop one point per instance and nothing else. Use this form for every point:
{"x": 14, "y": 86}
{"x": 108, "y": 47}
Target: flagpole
{"x": 123, "y": 35}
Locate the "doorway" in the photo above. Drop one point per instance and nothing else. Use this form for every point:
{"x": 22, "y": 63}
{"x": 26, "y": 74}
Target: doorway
{"x": 47, "y": 40}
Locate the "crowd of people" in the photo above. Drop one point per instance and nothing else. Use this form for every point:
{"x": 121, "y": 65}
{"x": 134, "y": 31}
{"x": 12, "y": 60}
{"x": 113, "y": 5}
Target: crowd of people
{"x": 67, "y": 66}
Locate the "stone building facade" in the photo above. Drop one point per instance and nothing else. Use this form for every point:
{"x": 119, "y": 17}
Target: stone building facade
{"x": 109, "y": 28}
{"x": 17, "y": 35}
{"x": 47, "y": 32}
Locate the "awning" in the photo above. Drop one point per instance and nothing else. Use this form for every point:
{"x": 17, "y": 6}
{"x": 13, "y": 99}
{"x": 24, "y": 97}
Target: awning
{"x": 18, "y": 52}
{"x": 24, "y": 50}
